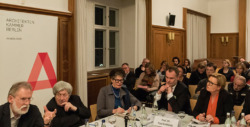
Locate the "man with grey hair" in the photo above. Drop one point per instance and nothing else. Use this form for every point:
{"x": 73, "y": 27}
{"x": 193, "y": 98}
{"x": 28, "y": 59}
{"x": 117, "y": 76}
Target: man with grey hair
{"x": 238, "y": 89}
{"x": 18, "y": 112}
{"x": 70, "y": 110}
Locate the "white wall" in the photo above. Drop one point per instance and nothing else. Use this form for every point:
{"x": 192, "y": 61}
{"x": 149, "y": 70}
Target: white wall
{"x": 58, "y": 5}
{"x": 162, "y": 8}
{"x": 127, "y": 46}
{"x": 224, "y": 16}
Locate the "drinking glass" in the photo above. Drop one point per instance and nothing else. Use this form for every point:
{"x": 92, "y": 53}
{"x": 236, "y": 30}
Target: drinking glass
{"x": 112, "y": 119}
{"x": 181, "y": 114}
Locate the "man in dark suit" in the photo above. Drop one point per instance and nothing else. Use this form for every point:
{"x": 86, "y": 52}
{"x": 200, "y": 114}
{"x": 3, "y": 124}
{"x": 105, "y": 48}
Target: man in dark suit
{"x": 174, "y": 95}
{"x": 238, "y": 89}
{"x": 246, "y": 108}
{"x": 18, "y": 112}
{"x": 141, "y": 68}
{"x": 129, "y": 79}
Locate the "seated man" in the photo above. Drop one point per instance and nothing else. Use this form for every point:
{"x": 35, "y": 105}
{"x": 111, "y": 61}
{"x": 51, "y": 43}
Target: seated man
{"x": 141, "y": 68}
{"x": 198, "y": 75}
{"x": 129, "y": 79}
{"x": 238, "y": 89}
{"x": 246, "y": 108}
{"x": 18, "y": 112}
{"x": 210, "y": 69}
{"x": 70, "y": 110}
{"x": 173, "y": 96}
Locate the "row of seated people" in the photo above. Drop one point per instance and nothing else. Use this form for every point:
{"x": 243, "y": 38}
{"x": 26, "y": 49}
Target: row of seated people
{"x": 63, "y": 110}
{"x": 212, "y": 105}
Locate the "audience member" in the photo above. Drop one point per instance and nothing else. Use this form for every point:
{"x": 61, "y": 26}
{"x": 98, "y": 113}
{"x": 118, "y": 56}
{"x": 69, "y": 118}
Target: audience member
{"x": 186, "y": 66}
{"x": 210, "y": 69}
{"x": 176, "y": 61}
{"x": 70, "y": 110}
{"x": 114, "y": 98}
{"x": 247, "y": 73}
{"x": 147, "y": 83}
{"x": 238, "y": 89}
{"x": 198, "y": 75}
{"x": 214, "y": 102}
{"x": 240, "y": 70}
{"x": 129, "y": 79}
{"x": 161, "y": 72}
{"x": 242, "y": 59}
{"x": 246, "y": 109}
{"x": 141, "y": 68}
{"x": 226, "y": 70}
{"x": 181, "y": 76}
{"x": 174, "y": 95}
{"x": 18, "y": 112}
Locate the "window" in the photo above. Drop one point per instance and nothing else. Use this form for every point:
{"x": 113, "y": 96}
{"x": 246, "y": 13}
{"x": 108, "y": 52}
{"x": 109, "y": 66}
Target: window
{"x": 106, "y": 36}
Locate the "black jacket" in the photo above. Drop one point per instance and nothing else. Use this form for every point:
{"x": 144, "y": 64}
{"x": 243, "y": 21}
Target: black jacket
{"x": 201, "y": 85}
{"x": 196, "y": 77}
{"x": 224, "y": 104}
{"x": 246, "y": 106}
{"x": 138, "y": 71}
{"x": 180, "y": 100}
{"x": 238, "y": 96}
{"x": 70, "y": 118}
{"x": 130, "y": 81}
{"x": 32, "y": 118}
{"x": 228, "y": 75}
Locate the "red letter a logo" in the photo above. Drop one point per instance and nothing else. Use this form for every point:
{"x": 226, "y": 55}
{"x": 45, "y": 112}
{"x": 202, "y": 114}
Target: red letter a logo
{"x": 42, "y": 59}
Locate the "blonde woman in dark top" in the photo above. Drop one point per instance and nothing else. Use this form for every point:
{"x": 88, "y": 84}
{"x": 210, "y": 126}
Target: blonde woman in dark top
{"x": 226, "y": 70}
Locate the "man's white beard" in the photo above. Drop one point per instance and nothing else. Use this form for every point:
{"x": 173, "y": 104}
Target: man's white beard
{"x": 19, "y": 110}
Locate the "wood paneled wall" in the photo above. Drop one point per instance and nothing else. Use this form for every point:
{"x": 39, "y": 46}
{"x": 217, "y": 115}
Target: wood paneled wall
{"x": 224, "y": 50}
{"x": 161, "y": 48}
{"x": 65, "y": 43}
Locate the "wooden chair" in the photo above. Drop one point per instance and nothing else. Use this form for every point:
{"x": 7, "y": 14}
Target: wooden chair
{"x": 93, "y": 111}
{"x": 193, "y": 103}
{"x": 237, "y": 110}
{"x": 188, "y": 75}
{"x": 192, "y": 89}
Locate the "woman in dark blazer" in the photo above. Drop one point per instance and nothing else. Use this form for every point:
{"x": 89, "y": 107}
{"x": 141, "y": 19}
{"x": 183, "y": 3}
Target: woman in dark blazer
{"x": 214, "y": 102}
{"x": 114, "y": 98}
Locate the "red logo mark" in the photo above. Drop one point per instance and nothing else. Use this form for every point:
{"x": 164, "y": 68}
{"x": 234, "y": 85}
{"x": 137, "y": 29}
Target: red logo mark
{"x": 42, "y": 59}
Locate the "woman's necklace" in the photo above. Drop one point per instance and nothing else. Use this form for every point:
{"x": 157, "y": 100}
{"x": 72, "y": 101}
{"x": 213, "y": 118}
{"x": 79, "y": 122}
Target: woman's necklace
{"x": 116, "y": 96}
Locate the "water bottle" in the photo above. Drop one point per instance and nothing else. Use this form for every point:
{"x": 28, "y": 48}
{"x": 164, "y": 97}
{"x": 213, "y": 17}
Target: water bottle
{"x": 143, "y": 116}
{"x": 103, "y": 123}
{"x": 242, "y": 120}
{"x": 233, "y": 119}
{"x": 155, "y": 106}
{"x": 228, "y": 120}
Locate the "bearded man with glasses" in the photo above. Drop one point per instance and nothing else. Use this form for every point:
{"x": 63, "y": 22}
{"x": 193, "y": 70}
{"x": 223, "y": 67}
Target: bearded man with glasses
{"x": 18, "y": 112}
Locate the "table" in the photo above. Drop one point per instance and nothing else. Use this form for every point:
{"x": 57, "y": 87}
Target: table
{"x": 121, "y": 123}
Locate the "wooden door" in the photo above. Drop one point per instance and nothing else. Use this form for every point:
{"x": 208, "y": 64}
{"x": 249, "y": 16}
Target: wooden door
{"x": 162, "y": 48}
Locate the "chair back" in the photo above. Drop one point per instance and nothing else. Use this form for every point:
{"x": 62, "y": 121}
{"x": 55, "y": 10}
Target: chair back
{"x": 93, "y": 111}
{"x": 192, "y": 89}
{"x": 237, "y": 110}
{"x": 193, "y": 103}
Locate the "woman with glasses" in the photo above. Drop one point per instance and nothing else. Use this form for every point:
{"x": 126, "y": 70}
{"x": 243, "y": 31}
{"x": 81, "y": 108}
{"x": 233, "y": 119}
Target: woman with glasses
{"x": 115, "y": 98}
{"x": 214, "y": 102}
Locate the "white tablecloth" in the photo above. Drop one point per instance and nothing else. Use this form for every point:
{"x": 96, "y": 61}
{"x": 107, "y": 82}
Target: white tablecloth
{"x": 120, "y": 122}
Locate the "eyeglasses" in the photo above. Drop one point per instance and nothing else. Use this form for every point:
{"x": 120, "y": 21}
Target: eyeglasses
{"x": 62, "y": 95}
{"x": 209, "y": 83}
{"x": 24, "y": 99}
{"x": 118, "y": 80}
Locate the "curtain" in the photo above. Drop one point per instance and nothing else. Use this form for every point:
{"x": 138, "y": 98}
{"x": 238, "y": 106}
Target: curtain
{"x": 248, "y": 32}
{"x": 81, "y": 37}
{"x": 140, "y": 45}
{"x": 196, "y": 37}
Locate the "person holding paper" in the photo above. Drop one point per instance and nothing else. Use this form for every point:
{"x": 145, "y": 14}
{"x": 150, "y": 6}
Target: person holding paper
{"x": 114, "y": 98}
{"x": 214, "y": 102}
{"x": 174, "y": 95}
{"x": 70, "y": 110}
